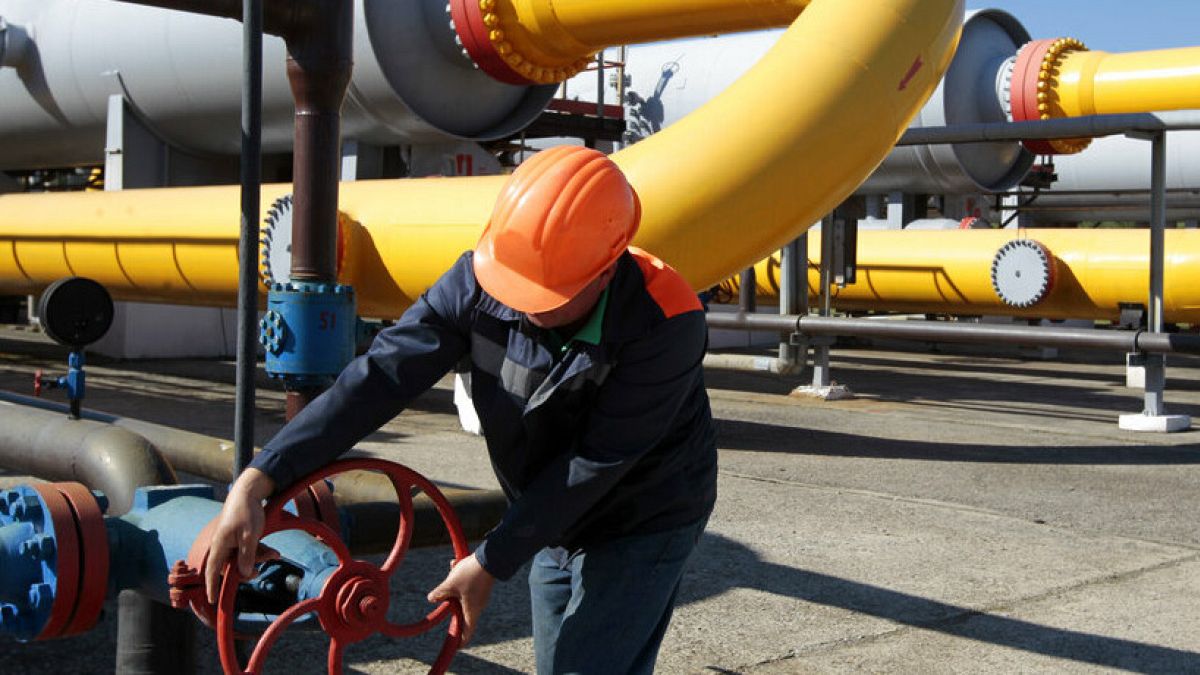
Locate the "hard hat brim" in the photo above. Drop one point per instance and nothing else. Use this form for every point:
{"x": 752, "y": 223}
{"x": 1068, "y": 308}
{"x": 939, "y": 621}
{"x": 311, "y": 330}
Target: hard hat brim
{"x": 516, "y": 290}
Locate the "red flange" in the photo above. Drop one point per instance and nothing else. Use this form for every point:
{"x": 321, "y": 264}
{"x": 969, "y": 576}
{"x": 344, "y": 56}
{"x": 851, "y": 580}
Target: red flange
{"x": 354, "y": 600}
{"x": 468, "y": 23}
{"x": 316, "y": 503}
{"x": 1024, "y": 90}
{"x": 93, "y": 559}
{"x": 67, "y": 560}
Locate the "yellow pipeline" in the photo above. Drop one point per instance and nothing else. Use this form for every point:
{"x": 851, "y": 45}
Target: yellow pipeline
{"x": 550, "y": 40}
{"x": 949, "y": 272}
{"x": 720, "y": 189}
{"x": 1061, "y": 78}
{"x": 1094, "y": 83}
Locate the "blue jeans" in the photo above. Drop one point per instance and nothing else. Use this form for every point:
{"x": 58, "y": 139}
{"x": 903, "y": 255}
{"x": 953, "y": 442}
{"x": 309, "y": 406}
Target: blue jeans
{"x": 605, "y": 608}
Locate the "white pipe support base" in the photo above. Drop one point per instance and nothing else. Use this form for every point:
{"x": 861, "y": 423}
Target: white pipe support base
{"x": 833, "y": 392}
{"x": 1163, "y": 424}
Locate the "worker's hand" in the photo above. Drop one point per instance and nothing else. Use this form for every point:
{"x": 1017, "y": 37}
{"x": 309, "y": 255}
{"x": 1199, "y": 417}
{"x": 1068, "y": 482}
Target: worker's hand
{"x": 472, "y": 586}
{"x": 239, "y": 527}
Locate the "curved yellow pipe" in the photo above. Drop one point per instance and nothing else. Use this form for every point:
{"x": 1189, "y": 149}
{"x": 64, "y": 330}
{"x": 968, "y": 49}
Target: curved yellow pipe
{"x": 949, "y": 272}
{"x": 720, "y": 189}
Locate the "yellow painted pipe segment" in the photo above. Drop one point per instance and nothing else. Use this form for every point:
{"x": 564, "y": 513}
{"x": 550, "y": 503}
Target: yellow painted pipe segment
{"x": 1097, "y": 83}
{"x": 720, "y": 189}
{"x": 551, "y": 40}
{"x": 1062, "y": 78}
{"x": 1096, "y": 271}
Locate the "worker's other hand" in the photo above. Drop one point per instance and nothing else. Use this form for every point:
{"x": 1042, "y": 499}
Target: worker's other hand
{"x": 239, "y": 527}
{"x": 471, "y": 585}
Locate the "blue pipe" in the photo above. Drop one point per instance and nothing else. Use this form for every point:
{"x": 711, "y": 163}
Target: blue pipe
{"x": 143, "y": 546}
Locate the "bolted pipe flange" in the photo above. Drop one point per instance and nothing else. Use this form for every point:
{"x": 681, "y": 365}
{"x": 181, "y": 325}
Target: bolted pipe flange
{"x": 310, "y": 331}
{"x": 47, "y": 531}
{"x": 1023, "y": 273}
{"x": 272, "y": 332}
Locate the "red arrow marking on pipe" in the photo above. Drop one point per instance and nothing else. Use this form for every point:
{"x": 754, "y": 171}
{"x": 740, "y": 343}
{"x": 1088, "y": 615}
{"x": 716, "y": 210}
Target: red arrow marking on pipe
{"x": 912, "y": 72}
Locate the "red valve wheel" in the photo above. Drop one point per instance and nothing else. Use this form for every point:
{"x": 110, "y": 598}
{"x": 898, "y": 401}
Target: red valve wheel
{"x": 353, "y": 602}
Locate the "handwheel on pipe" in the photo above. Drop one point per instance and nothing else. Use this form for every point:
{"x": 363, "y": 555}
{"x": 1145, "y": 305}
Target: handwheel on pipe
{"x": 353, "y": 602}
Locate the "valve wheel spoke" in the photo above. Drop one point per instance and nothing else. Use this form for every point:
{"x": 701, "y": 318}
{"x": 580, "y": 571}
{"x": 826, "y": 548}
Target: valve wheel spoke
{"x": 452, "y": 643}
{"x": 352, "y": 605}
{"x": 273, "y": 632}
{"x": 404, "y": 534}
{"x": 336, "y": 651}
{"x": 449, "y": 608}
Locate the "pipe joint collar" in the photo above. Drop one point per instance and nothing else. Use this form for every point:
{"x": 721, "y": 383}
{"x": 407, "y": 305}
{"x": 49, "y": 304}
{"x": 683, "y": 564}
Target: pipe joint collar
{"x": 309, "y": 331}
{"x": 492, "y": 36}
{"x": 1036, "y": 90}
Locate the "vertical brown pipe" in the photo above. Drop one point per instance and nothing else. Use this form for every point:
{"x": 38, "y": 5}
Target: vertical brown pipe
{"x": 319, "y": 66}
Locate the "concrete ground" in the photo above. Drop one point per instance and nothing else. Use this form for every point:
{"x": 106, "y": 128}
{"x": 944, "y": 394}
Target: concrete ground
{"x": 963, "y": 513}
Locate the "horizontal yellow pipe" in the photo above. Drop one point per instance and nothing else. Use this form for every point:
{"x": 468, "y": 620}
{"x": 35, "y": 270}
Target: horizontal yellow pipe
{"x": 557, "y": 33}
{"x": 949, "y": 272}
{"x": 547, "y": 41}
{"x": 1096, "y": 83}
{"x": 720, "y": 189}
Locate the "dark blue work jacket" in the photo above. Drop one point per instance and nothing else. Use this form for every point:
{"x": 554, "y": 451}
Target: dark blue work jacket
{"x": 589, "y": 441}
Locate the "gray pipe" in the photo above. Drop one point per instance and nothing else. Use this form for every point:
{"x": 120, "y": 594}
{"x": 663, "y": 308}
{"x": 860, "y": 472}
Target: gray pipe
{"x": 151, "y": 638}
{"x": 212, "y": 458}
{"x": 102, "y": 457}
{"x": 1067, "y": 127}
{"x": 933, "y": 331}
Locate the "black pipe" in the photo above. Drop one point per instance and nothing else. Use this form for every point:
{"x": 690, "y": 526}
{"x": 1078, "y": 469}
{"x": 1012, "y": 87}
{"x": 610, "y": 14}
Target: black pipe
{"x": 153, "y": 638}
{"x": 933, "y": 331}
{"x": 251, "y": 175}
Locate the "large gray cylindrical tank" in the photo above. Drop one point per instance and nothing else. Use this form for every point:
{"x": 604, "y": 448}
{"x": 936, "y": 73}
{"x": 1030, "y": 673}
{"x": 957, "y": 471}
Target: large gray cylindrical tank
{"x": 1111, "y": 181}
{"x": 974, "y": 90}
{"x": 181, "y": 74}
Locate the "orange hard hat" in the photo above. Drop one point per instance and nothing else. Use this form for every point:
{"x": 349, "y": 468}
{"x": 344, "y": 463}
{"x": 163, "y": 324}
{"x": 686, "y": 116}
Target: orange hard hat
{"x": 563, "y": 217}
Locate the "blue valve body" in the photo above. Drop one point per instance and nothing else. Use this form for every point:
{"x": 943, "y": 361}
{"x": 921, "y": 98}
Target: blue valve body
{"x": 309, "y": 332}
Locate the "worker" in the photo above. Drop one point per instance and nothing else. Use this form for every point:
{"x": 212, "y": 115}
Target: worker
{"x": 586, "y": 375}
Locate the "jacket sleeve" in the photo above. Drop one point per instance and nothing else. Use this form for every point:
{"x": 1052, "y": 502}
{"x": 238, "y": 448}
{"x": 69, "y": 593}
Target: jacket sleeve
{"x": 635, "y": 408}
{"x": 404, "y": 360}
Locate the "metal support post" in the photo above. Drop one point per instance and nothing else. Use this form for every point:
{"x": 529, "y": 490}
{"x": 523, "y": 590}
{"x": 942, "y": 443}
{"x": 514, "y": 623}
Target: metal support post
{"x": 247, "y": 336}
{"x": 793, "y": 299}
{"x": 823, "y": 385}
{"x": 600, "y": 84}
{"x": 821, "y": 378}
{"x": 1154, "y": 416}
{"x": 748, "y": 291}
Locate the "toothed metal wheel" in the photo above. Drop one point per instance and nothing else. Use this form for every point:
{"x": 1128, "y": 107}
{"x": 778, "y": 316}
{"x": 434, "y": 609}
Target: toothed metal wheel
{"x": 275, "y": 242}
{"x": 1022, "y": 273}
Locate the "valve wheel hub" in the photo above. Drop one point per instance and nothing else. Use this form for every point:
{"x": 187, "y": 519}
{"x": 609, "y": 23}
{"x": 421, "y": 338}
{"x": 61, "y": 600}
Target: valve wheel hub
{"x": 360, "y": 599}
